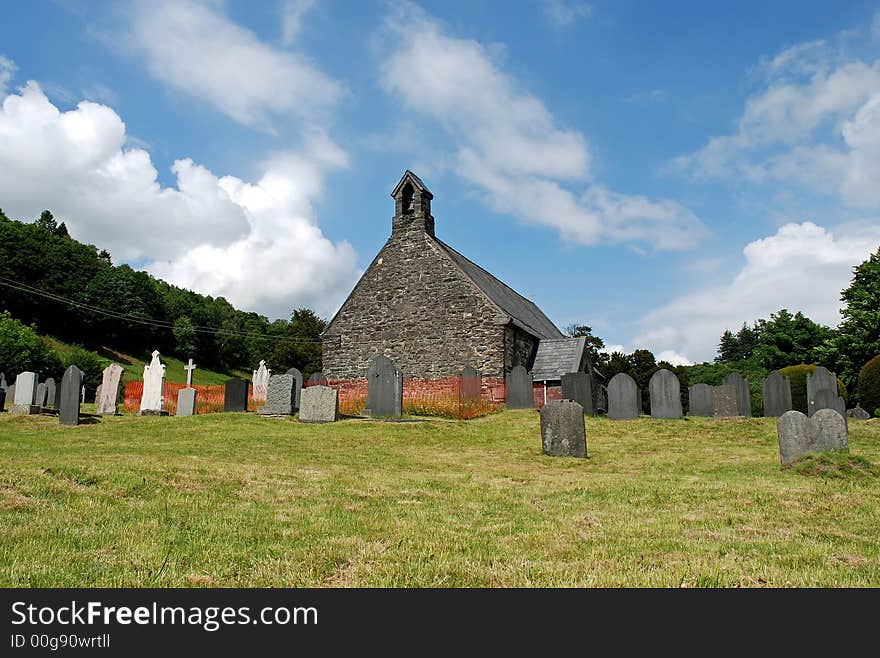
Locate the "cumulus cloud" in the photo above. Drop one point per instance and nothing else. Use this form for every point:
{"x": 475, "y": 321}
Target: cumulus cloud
{"x": 196, "y": 50}
{"x": 258, "y": 244}
{"x": 512, "y": 148}
{"x": 7, "y": 70}
{"x": 565, "y": 13}
{"x": 802, "y": 267}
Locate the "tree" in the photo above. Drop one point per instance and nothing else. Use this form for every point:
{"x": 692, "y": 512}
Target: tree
{"x": 300, "y": 347}
{"x": 185, "y": 340}
{"x": 21, "y": 349}
{"x": 738, "y": 346}
{"x": 593, "y": 344}
{"x": 787, "y": 339}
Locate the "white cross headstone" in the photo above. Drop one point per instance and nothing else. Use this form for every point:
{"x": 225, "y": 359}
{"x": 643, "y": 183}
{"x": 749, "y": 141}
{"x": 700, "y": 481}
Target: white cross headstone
{"x": 189, "y": 367}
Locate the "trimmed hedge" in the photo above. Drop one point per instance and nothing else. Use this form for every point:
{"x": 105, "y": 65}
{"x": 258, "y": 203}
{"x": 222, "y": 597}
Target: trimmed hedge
{"x": 798, "y": 377}
{"x": 869, "y": 384}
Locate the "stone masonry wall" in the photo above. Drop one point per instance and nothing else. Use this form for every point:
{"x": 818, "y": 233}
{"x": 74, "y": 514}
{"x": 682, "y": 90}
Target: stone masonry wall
{"x": 416, "y": 307}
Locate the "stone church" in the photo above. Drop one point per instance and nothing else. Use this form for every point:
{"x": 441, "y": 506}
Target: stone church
{"x": 433, "y": 312}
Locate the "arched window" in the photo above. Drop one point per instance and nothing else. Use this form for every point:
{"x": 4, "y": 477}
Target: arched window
{"x": 407, "y": 199}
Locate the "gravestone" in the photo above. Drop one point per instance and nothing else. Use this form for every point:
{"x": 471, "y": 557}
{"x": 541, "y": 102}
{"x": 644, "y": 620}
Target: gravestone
{"x": 700, "y": 400}
{"x": 825, "y": 399}
{"x": 111, "y": 390}
{"x": 186, "y": 402}
{"x": 235, "y": 395}
{"x": 384, "y": 389}
{"x": 261, "y": 382}
{"x": 2, "y": 400}
{"x": 189, "y": 367}
{"x": 319, "y": 404}
{"x": 563, "y": 429}
{"x": 298, "y": 384}
{"x": 470, "y": 384}
{"x": 821, "y": 379}
{"x": 665, "y": 394}
{"x": 71, "y": 385}
{"x": 51, "y": 390}
{"x": 519, "y": 389}
{"x": 799, "y": 435}
{"x": 725, "y": 403}
{"x": 24, "y": 402}
{"x": 743, "y": 394}
{"x": 57, "y": 403}
{"x": 777, "y": 395}
{"x": 578, "y": 386}
{"x": 623, "y": 397}
{"x": 10, "y": 394}
{"x": 281, "y": 396}
{"x": 154, "y": 388}
{"x": 318, "y": 378}
{"x": 858, "y": 413}
{"x": 3, "y": 383}
{"x": 98, "y": 390}
{"x": 40, "y": 399}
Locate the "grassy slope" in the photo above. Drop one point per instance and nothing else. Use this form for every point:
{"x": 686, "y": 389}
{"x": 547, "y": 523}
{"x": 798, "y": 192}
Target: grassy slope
{"x": 233, "y": 499}
{"x": 134, "y": 366}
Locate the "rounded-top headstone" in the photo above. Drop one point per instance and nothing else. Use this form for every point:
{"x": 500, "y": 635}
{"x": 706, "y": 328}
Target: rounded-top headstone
{"x": 623, "y": 397}
{"x": 384, "y": 388}
{"x": 298, "y": 384}
{"x": 71, "y": 386}
{"x": 700, "y": 400}
{"x": 318, "y": 378}
{"x": 743, "y": 394}
{"x": 799, "y": 435}
{"x": 520, "y": 394}
{"x": 665, "y": 392}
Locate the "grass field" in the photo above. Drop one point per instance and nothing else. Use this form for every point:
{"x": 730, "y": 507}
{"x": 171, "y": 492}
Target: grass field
{"x": 238, "y": 500}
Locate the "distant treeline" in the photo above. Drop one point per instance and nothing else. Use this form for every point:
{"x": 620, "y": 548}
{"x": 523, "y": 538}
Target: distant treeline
{"x": 41, "y": 266}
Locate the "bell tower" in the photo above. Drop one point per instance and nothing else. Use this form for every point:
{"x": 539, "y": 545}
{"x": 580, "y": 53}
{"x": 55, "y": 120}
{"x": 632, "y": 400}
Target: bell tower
{"x": 412, "y": 206}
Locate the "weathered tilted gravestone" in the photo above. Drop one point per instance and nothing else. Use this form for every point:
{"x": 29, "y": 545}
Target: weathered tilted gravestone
{"x": 10, "y": 394}
{"x": 799, "y": 435}
{"x": 777, "y": 395}
{"x": 98, "y": 392}
{"x": 40, "y": 399}
{"x": 2, "y": 400}
{"x": 3, "y": 384}
{"x": 821, "y": 379}
{"x": 725, "y": 402}
{"x": 858, "y": 413}
{"x": 71, "y": 386}
{"x": 563, "y": 429}
{"x": 470, "y": 385}
{"x": 665, "y": 394}
{"x": 700, "y": 400}
{"x": 235, "y": 395}
{"x": 520, "y": 394}
{"x": 297, "y": 385}
{"x": 110, "y": 390}
{"x": 280, "y": 399}
{"x": 154, "y": 388}
{"x": 317, "y": 378}
{"x": 743, "y": 394}
{"x": 24, "y": 402}
{"x": 623, "y": 397}
{"x": 261, "y": 382}
{"x": 186, "y": 402}
{"x": 50, "y": 393}
{"x": 384, "y": 389}
{"x": 319, "y": 404}
{"x": 825, "y": 399}
{"x": 578, "y": 386}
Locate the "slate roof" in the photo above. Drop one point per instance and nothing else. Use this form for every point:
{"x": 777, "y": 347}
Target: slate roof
{"x": 557, "y": 357}
{"x": 523, "y": 312}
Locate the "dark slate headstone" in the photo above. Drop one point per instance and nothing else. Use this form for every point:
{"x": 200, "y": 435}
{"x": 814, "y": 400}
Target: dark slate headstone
{"x": 40, "y": 399}
{"x": 665, "y": 393}
{"x": 318, "y": 379}
{"x": 578, "y": 386}
{"x": 57, "y": 403}
{"x": 725, "y": 403}
{"x": 858, "y": 413}
{"x": 777, "y": 395}
{"x": 520, "y": 394}
{"x": 297, "y": 385}
{"x": 384, "y": 388}
{"x": 280, "y": 396}
{"x": 825, "y": 399}
{"x": 623, "y": 397}
{"x": 700, "y": 400}
{"x": 71, "y": 387}
{"x": 235, "y": 397}
{"x": 470, "y": 384}
{"x": 563, "y": 429}
{"x": 2, "y": 400}
{"x": 799, "y": 435}
{"x": 51, "y": 392}
{"x": 3, "y": 383}
{"x": 743, "y": 394}
{"x": 821, "y": 379}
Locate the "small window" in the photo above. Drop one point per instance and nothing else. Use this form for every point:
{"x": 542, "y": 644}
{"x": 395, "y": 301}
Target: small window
{"x": 407, "y": 199}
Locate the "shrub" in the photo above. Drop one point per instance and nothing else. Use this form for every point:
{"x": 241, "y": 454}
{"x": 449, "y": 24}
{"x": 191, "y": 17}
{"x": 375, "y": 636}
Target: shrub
{"x": 798, "y": 377}
{"x": 869, "y": 384}
{"x": 22, "y": 349}
{"x": 90, "y": 363}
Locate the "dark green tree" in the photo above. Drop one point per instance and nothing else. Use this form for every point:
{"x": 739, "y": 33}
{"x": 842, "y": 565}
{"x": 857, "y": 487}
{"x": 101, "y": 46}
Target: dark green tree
{"x": 185, "y": 339}
{"x": 593, "y": 343}
{"x": 300, "y": 347}
{"x": 787, "y": 339}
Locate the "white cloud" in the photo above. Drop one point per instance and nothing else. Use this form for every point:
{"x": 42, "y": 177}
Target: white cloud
{"x": 611, "y": 349}
{"x": 258, "y": 244}
{"x": 7, "y": 70}
{"x": 292, "y": 13}
{"x": 199, "y": 52}
{"x": 673, "y": 357}
{"x": 512, "y": 148}
{"x": 802, "y": 267}
{"x": 565, "y": 13}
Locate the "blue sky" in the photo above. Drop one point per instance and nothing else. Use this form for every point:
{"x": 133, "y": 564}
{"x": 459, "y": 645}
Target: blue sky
{"x": 660, "y": 171}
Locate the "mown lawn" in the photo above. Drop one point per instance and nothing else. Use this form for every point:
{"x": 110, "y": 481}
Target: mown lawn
{"x": 238, "y": 500}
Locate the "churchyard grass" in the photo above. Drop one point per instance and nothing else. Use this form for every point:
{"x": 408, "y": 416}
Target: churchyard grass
{"x": 238, "y": 500}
